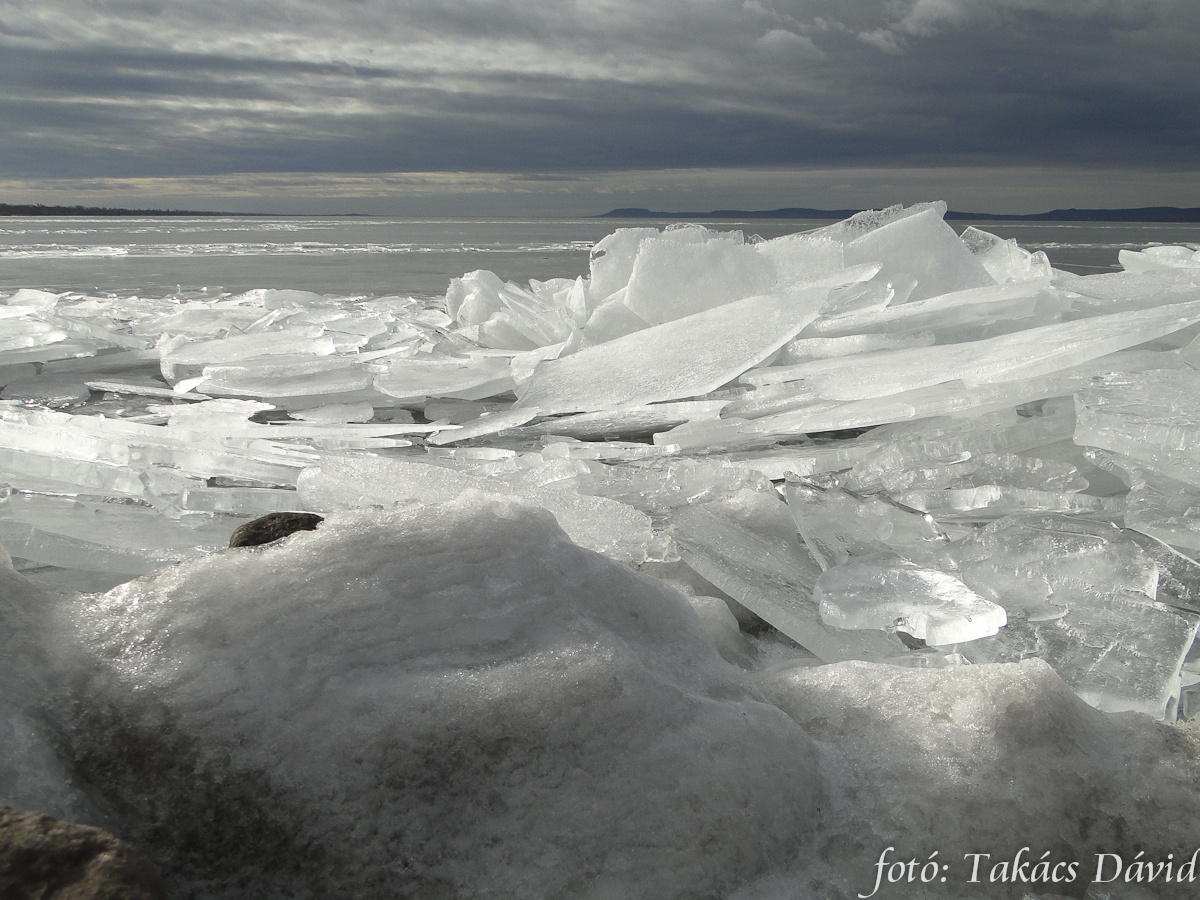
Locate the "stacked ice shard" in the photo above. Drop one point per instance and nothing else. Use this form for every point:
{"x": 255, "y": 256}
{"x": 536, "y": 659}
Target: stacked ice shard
{"x": 986, "y": 459}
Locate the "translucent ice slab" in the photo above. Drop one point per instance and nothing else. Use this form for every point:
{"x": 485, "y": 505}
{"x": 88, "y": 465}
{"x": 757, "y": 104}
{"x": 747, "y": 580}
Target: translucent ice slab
{"x": 1117, "y": 650}
{"x": 921, "y": 247}
{"x": 104, "y": 537}
{"x": 682, "y": 358}
{"x": 949, "y": 398}
{"x": 1040, "y": 566}
{"x": 1164, "y": 508}
{"x": 772, "y": 579}
{"x": 597, "y": 523}
{"x": 1153, "y": 417}
{"x": 992, "y": 501}
{"x": 1020, "y": 355}
{"x": 1026, "y": 303}
{"x": 1005, "y": 260}
{"x": 628, "y": 421}
{"x": 689, "y": 269}
{"x": 837, "y": 524}
{"x": 466, "y": 379}
{"x": 885, "y": 592}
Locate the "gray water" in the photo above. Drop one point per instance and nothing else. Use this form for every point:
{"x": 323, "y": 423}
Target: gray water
{"x": 352, "y": 256}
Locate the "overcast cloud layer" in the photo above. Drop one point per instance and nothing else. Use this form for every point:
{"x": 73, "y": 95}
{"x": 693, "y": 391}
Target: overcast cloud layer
{"x": 214, "y": 92}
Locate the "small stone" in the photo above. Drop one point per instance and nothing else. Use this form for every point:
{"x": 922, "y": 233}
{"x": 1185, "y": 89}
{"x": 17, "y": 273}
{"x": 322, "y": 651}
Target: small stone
{"x": 273, "y": 527}
{"x": 44, "y": 859}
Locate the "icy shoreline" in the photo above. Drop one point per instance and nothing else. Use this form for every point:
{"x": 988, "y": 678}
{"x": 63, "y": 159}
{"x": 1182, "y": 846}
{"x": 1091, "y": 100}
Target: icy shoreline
{"x": 867, "y": 462}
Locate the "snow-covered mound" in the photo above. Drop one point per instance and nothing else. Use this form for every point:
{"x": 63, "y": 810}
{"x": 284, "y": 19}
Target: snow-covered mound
{"x": 456, "y": 700}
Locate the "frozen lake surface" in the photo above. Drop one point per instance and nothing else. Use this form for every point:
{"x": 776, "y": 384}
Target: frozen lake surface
{"x": 763, "y": 559}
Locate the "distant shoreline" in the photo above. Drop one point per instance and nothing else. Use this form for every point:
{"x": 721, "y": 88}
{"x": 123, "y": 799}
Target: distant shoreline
{"x": 1144, "y": 214}
{"x": 37, "y": 209}
{"x": 1164, "y": 214}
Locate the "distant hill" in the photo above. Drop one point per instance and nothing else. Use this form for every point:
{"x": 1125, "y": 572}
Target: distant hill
{"x": 1142, "y": 214}
{"x": 37, "y": 209}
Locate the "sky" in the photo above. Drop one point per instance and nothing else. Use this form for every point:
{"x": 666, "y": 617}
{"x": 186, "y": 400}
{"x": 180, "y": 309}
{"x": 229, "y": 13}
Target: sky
{"x": 566, "y": 108}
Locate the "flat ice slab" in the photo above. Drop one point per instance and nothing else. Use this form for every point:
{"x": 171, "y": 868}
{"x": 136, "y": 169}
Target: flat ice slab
{"x": 682, "y": 358}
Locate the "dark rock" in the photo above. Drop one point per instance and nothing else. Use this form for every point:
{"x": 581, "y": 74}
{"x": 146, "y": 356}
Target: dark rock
{"x": 273, "y": 527}
{"x": 44, "y": 859}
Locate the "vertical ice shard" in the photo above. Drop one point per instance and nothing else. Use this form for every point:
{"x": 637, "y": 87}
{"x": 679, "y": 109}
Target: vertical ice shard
{"x": 920, "y": 247}
{"x": 689, "y": 269}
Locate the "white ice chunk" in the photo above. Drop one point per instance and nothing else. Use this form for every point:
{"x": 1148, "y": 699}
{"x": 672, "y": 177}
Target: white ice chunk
{"x": 689, "y": 269}
{"x": 678, "y": 359}
{"x": 612, "y": 260}
{"x": 1000, "y": 757}
{"x": 505, "y": 315}
{"x": 1153, "y": 258}
{"x": 920, "y": 247}
{"x": 888, "y": 593}
{"x": 1005, "y": 260}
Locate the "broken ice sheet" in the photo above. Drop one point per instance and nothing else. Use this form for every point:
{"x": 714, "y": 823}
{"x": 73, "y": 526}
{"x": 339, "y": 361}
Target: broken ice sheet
{"x": 1042, "y": 565}
{"x": 773, "y": 578}
{"x": 597, "y": 523}
{"x": 1117, "y": 649}
{"x": 948, "y": 398}
{"x": 1163, "y": 508}
{"x": 837, "y": 524}
{"x": 683, "y": 358}
{"x": 886, "y": 592}
{"x": 467, "y": 379}
{"x": 1152, "y": 417}
{"x": 956, "y": 316}
{"x": 991, "y": 501}
{"x": 627, "y": 421}
{"x": 100, "y": 536}
{"x": 1020, "y": 355}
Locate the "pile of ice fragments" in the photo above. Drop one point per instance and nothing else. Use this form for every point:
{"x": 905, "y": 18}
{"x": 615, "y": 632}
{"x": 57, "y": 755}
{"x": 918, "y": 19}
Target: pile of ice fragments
{"x": 889, "y": 442}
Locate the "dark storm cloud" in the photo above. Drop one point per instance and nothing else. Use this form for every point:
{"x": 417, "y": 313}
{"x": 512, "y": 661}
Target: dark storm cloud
{"x": 123, "y": 88}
